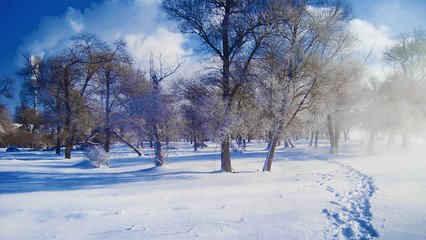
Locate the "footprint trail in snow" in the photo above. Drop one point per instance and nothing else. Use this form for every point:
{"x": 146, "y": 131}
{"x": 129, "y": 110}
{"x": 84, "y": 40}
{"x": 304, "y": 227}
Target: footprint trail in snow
{"x": 349, "y": 214}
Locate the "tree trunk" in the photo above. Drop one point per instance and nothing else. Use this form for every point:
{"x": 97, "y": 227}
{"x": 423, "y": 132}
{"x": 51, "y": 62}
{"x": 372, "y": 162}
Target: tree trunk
{"x": 331, "y": 133}
{"x": 107, "y": 139}
{"x": 58, "y": 140}
{"x": 240, "y": 142}
{"x": 291, "y": 144}
{"x": 127, "y": 143}
{"x": 336, "y": 137}
{"x": 244, "y": 144}
{"x": 286, "y": 143}
{"x": 69, "y": 142}
{"x": 68, "y": 147}
{"x": 404, "y": 141}
{"x": 107, "y": 126}
{"x": 159, "y": 158}
{"x": 195, "y": 142}
{"x": 312, "y": 138}
{"x": 270, "y": 157}
{"x": 202, "y": 140}
{"x": 316, "y": 138}
{"x": 225, "y": 155}
{"x": 269, "y": 140}
{"x": 370, "y": 143}
{"x": 346, "y": 133}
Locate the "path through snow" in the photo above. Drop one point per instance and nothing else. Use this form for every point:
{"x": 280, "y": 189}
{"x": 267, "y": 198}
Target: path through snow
{"x": 350, "y": 213}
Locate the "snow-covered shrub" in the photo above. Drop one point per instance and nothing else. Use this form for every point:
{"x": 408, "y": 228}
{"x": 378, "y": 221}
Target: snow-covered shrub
{"x": 97, "y": 156}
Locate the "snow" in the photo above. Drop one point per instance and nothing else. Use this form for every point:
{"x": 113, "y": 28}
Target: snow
{"x": 308, "y": 195}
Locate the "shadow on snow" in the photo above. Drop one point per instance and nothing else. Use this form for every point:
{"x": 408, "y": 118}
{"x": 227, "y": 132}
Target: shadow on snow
{"x": 26, "y": 181}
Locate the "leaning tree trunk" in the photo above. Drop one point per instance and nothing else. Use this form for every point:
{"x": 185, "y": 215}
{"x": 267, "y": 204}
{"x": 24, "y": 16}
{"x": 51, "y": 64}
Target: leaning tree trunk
{"x": 274, "y": 137}
{"x": 270, "y": 157}
{"x": 127, "y": 143}
{"x": 269, "y": 140}
{"x": 291, "y": 143}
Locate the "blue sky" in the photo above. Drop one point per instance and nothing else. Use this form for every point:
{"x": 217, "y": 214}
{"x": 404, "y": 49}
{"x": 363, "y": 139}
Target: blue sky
{"x": 19, "y": 17}
{"x": 39, "y": 26}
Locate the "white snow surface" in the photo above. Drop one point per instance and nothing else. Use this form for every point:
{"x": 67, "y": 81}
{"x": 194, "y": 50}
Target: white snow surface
{"x": 308, "y": 195}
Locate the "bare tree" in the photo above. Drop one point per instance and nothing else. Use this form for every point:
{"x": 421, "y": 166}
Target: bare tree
{"x": 64, "y": 86}
{"x": 159, "y": 70}
{"x": 308, "y": 40}
{"x": 407, "y": 58}
{"x": 6, "y": 86}
{"x": 231, "y": 32}
{"x": 111, "y": 78}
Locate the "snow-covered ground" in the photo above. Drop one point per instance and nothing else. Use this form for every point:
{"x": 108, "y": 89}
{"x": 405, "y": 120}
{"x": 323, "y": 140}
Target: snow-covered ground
{"x": 308, "y": 195}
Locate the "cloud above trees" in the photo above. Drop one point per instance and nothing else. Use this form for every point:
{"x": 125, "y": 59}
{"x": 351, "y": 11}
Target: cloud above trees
{"x": 372, "y": 42}
{"x": 138, "y": 22}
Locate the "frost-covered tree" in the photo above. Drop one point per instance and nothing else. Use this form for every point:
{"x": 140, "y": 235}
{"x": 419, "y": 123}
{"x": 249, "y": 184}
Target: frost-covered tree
{"x": 64, "y": 86}
{"x": 343, "y": 91}
{"x": 196, "y": 121}
{"x": 110, "y": 80}
{"x": 157, "y": 111}
{"x": 150, "y": 108}
{"x": 231, "y": 33}
{"x": 407, "y": 58}
{"x": 310, "y": 41}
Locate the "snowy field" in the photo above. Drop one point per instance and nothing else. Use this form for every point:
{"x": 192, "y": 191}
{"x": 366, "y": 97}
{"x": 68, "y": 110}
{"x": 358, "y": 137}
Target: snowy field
{"x": 308, "y": 195}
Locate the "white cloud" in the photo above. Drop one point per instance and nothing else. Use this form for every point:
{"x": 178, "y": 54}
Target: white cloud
{"x": 370, "y": 36}
{"x": 372, "y": 40}
{"x": 162, "y": 41}
{"x": 75, "y": 19}
{"x": 135, "y": 21}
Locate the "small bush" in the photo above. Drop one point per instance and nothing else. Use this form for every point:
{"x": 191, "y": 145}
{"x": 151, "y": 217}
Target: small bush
{"x": 97, "y": 156}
